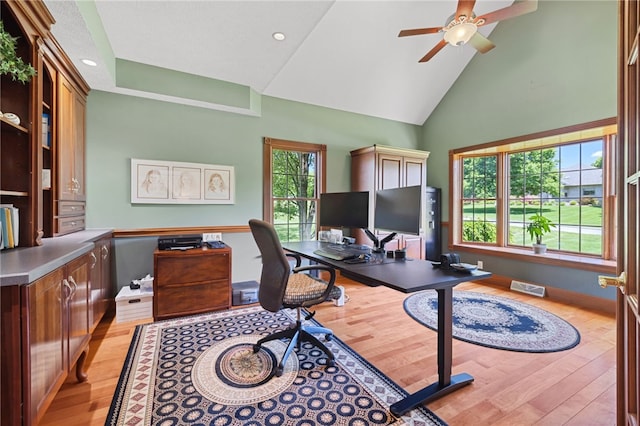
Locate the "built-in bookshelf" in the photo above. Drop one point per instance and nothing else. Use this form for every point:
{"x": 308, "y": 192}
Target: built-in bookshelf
{"x": 17, "y": 157}
{"x": 45, "y": 150}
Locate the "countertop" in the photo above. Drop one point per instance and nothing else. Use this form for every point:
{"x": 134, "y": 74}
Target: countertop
{"x": 23, "y": 265}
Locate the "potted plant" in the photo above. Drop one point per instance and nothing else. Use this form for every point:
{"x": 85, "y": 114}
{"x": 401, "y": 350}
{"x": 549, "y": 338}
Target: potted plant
{"x": 539, "y": 226}
{"x": 10, "y": 62}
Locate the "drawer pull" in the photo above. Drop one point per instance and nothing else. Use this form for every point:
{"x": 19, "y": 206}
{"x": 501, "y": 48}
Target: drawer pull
{"x": 135, "y": 301}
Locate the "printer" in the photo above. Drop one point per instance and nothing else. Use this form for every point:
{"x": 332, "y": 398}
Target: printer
{"x": 179, "y": 242}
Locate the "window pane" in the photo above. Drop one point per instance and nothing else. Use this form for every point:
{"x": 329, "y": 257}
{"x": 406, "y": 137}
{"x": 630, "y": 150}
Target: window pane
{"x": 479, "y": 206}
{"x": 294, "y": 193}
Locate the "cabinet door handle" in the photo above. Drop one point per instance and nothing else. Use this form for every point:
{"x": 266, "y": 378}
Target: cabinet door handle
{"x": 94, "y": 260}
{"x": 76, "y": 185}
{"x": 75, "y": 286}
{"x": 68, "y": 287}
{"x": 105, "y": 252}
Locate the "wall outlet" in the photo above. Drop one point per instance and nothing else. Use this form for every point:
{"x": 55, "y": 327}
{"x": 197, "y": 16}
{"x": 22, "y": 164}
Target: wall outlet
{"x": 480, "y": 264}
{"x": 212, "y": 236}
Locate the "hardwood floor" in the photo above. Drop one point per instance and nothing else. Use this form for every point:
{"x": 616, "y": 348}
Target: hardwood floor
{"x": 573, "y": 387}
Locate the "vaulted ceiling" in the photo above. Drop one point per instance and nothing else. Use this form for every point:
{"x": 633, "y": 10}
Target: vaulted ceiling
{"x": 342, "y": 54}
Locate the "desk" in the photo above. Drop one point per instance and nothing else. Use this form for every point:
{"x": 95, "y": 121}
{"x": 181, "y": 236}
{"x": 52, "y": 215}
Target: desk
{"x": 409, "y": 276}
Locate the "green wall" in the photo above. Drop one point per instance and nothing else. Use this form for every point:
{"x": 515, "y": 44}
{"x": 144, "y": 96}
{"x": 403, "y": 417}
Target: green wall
{"x": 122, "y": 127}
{"x": 562, "y": 71}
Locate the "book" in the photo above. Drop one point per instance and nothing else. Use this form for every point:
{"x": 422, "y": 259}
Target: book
{"x": 7, "y": 213}
{"x": 10, "y": 217}
{"x": 46, "y": 130}
{"x": 4, "y": 221}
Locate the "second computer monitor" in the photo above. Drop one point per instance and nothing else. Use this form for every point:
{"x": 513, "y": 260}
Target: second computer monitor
{"x": 399, "y": 210}
{"x": 344, "y": 209}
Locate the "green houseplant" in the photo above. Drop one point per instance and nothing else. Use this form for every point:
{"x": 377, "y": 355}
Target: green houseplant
{"x": 539, "y": 226}
{"x": 10, "y": 62}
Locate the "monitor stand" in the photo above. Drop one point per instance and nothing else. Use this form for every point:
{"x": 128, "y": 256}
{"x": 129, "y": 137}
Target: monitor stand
{"x": 378, "y": 245}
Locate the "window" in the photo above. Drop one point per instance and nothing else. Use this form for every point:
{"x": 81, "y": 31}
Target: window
{"x": 294, "y": 177}
{"x": 563, "y": 175}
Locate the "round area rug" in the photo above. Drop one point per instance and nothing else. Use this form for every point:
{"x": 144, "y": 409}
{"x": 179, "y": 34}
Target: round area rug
{"x": 496, "y": 322}
{"x": 230, "y": 373}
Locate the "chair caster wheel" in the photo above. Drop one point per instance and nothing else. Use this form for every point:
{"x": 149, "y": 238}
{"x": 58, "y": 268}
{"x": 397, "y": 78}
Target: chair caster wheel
{"x": 279, "y": 371}
{"x": 328, "y": 337}
{"x": 256, "y": 349}
{"x": 331, "y": 363}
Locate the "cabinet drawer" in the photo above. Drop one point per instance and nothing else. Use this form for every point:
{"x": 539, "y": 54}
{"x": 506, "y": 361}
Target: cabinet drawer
{"x": 192, "y": 299}
{"x": 70, "y": 208}
{"x": 173, "y": 270}
{"x": 66, "y": 225}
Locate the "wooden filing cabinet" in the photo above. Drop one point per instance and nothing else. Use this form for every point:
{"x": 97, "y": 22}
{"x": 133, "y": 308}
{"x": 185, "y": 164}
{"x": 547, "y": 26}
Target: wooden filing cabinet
{"x": 191, "y": 281}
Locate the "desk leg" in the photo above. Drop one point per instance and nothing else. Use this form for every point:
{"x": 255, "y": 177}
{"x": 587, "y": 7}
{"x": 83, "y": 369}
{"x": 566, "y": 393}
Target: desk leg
{"x": 446, "y": 383}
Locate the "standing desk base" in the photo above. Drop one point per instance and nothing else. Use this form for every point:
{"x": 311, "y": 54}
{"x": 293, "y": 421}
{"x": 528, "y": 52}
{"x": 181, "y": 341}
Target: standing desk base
{"x": 430, "y": 393}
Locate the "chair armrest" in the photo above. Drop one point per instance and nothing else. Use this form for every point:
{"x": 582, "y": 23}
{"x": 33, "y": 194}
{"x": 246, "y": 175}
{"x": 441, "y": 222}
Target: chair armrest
{"x": 330, "y": 282}
{"x": 332, "y": 271}
{"x": 296, "y": 256}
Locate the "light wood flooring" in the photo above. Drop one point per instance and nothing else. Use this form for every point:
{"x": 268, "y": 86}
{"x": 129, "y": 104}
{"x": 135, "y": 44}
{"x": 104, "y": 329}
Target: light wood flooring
{"x": 572, "y": 387}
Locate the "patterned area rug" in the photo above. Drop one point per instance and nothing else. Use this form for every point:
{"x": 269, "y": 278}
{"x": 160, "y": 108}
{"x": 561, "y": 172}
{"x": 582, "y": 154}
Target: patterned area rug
{"x": 202, "y": 370}
{"x": 496, "y": 322}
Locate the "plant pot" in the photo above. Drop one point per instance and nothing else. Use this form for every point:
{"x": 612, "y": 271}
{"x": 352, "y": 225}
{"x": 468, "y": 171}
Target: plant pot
{"x": 539, "y": 248}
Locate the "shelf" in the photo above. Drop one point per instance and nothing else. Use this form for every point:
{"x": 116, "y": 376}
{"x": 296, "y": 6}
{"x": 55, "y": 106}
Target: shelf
{"x": 15, "y": 126}
{"x": 14, "y": 193}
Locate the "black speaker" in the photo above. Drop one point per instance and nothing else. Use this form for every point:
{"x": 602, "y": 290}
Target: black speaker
{"x": 433, "y": 229}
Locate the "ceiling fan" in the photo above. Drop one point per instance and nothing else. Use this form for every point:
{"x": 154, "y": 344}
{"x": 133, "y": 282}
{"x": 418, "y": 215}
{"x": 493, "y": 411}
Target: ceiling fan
{"x": 462, "y": 27}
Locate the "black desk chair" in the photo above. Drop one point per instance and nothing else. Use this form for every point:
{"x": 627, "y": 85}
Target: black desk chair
{"x": 283, "y": 287}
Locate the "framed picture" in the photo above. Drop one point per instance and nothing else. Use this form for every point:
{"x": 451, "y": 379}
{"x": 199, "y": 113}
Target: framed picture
{"x": 172, "y": 182}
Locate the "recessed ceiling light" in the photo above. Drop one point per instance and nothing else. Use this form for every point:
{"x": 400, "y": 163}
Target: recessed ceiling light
{"x": 89, "y": 62}
{"x": 278, "y": 36}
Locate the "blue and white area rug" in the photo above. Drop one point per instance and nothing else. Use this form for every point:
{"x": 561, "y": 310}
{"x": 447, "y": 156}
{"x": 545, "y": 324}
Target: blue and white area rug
{"x": 201, "y": 370}
{"x": 496, "y": 322}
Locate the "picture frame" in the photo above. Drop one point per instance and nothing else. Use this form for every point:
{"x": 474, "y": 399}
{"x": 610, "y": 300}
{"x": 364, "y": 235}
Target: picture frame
{"x": 173, "y": 182}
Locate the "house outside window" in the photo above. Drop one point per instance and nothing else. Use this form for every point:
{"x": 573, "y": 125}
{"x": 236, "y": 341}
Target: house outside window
{"x": 293, "y": 180}
{"x": 500, "y": 186}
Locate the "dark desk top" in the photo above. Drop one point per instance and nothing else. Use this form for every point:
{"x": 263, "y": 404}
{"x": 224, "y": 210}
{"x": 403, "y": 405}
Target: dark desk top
{"x": 407, "y": 275}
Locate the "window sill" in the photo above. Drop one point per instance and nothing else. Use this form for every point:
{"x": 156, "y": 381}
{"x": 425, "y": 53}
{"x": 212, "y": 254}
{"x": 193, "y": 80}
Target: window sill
{"x": 549, "y": 258}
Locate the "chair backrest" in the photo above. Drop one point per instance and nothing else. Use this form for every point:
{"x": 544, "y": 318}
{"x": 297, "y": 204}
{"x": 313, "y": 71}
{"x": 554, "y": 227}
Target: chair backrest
{"x": 275, "y": 265}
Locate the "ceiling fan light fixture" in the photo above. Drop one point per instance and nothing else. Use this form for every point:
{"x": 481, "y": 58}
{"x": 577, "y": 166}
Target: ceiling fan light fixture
{"x": 459, "y": 34}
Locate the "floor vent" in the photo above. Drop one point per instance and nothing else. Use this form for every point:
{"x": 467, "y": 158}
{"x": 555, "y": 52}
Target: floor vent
{"x": 533, "y": 289}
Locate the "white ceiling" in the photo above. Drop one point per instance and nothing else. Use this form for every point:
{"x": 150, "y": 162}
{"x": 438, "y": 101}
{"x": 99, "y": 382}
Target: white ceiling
{"x": 342, "y": 54}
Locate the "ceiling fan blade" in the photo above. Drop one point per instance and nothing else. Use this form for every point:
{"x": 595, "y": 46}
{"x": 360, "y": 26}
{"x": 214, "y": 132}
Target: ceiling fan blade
{"x": 481, "y": 43}
{"x": 465, "y": 7}
{"x": 433, "y": 51}
{"x": 419, "y": 31}
{"x": 516, "y": 9}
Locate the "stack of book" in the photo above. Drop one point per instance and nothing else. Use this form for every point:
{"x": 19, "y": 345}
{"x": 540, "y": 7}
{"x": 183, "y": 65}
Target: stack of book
{"x": 9, "y": 226}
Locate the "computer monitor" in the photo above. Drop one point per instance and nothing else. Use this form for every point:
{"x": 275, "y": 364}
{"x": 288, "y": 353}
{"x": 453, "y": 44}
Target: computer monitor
{"x": 399, "y": 210}
{"x": 345, "y": 209}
